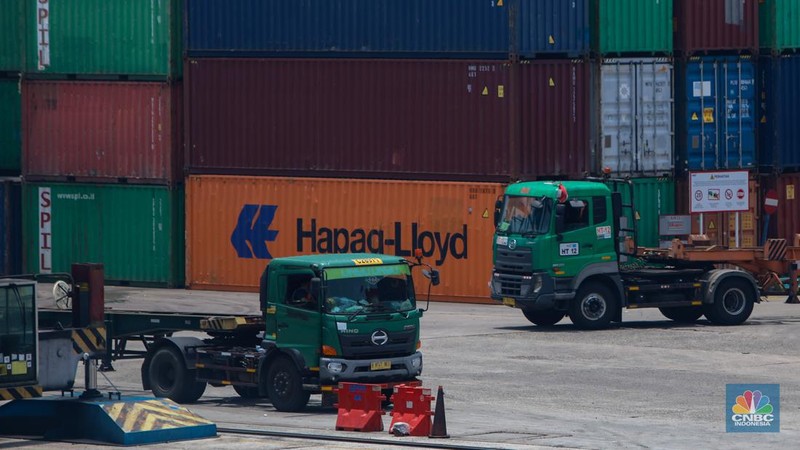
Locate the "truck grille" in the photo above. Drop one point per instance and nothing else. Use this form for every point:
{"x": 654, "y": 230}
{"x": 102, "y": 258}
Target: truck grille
{"x": 509, "y": 285}
{"x": 360, "y": 346}
{"x": 517, "y": 261}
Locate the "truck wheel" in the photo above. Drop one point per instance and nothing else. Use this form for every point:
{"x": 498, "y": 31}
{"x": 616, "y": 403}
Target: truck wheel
{"x": 285, "y": 386}
{"x": 170, "y": 378}
{"x": 593, "y": 307}
{"x": 682, "y": 314}
{"x": 246, "y": 391}
{"x": 543, "y": 318}
{"x": 733, "y": 303}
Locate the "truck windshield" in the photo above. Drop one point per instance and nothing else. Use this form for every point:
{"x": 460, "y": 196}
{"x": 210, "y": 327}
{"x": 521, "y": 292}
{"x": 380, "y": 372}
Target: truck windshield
{"x": 370, "y": 294}
{"x": 525, "y": 215}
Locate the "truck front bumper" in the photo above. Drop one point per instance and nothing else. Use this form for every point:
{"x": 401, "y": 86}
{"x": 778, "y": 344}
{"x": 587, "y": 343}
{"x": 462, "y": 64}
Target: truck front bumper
{"x": 334, "y": 370}
{"x": 534, "y": 291}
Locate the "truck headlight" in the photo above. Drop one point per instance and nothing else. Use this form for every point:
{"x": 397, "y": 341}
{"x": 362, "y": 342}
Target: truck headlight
{"x": 335, "y": 367}
{"x": 537, "y": 284}
{"x": 416, "y": 362}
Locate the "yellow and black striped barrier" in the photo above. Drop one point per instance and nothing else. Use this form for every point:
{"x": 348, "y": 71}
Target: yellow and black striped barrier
{"x": 89, "y": 340}
{"x": 152, "y": 415}
{"x": 17, "y": 393}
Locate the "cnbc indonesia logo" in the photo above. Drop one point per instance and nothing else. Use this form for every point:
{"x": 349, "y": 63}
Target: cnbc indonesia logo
{"x": 753, "y": 410}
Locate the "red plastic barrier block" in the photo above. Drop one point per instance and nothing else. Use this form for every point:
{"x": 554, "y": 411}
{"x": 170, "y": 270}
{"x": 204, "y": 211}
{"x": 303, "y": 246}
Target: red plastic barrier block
{"x": 412, "y": 405}
{"x": 360, "y": 407}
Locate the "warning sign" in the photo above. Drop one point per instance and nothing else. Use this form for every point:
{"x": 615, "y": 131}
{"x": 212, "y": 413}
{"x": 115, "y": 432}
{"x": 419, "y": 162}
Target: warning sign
{"x": 550, "y": 40}
{"x": 711, "y": 225}
{"x": 708, "y": 115}
{"x": 789, "y": 192}
{"x": 719, "y": 191}
{"x": 485, "y": 214}
{"x": 485, "y": 91}
{"x": 552, "y": 83}
{"x": 694, "y": 117}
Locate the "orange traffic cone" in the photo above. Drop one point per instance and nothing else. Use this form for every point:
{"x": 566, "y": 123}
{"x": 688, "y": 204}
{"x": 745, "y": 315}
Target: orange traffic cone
{"x": 439, "y": 429}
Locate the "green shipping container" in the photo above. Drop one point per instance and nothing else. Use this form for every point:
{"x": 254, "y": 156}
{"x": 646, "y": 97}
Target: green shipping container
{"x": 10, "y": 127}
{"x": 779, "y": 26}
{"x": 134, "y": 38}
{"x": 137, "y": 232}
{"x": 11, "y": 20}
{"x": 631, "y": 26}
{"x": 652, "y": 197}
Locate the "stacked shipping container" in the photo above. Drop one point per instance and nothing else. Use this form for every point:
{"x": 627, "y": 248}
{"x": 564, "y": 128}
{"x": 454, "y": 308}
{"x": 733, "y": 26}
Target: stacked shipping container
{"x": 102, "y": 106}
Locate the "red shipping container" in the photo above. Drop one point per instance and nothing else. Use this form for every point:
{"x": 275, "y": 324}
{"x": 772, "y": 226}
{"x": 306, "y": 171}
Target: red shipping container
{"x": 787, "y": 217}
{"x": 102, "y": 131}
{"x": 554, "y": 119}
{"x": 420, "y": 119}
{"x": 703, "y": 26}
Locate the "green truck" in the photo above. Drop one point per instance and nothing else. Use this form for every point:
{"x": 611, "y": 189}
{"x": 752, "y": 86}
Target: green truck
{"x": 569, "y": 248}
{"x": 325, "y": 319}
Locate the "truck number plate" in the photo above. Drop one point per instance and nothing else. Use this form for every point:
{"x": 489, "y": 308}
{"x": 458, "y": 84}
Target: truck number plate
{"x": 380, "y": 365}
{"x": 570, "y": 249}
{"x": 508, "y": 301}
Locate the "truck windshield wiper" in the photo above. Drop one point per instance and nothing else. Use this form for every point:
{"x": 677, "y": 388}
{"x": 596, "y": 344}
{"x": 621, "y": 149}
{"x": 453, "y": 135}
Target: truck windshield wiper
{"x": 355, "y": 313}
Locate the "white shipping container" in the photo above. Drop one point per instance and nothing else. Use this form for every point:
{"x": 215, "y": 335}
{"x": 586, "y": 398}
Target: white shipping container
{"x": 636, "y": 116}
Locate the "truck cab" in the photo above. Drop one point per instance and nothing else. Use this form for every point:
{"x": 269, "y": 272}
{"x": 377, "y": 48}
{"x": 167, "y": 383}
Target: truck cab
{"x": 569, "y": 248}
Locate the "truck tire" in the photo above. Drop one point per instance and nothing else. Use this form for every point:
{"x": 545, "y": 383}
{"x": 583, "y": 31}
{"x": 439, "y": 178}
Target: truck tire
{"x": 682, "y": 314}
{"x": 170, "y": 378}
{"x": 733, "y": 303}
{"x": 543, "y": 318}
{"x": 593, "y": 307}
{"x": 246, "y": 391}
{"x": 285, "y": 386}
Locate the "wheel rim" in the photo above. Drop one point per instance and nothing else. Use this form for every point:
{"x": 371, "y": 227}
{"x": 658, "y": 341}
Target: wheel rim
{"x": 593, "y": 307}
{"x": 282, "y": 384}
{"x": 734, "y": 301}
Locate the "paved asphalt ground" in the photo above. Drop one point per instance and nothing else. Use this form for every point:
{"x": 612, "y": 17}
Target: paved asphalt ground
{"x": 644, "y": 383}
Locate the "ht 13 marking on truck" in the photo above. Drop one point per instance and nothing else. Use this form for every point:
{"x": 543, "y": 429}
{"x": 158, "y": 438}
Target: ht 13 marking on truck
{"x": 253, "y": 228}
{"x": 343, "y": 240}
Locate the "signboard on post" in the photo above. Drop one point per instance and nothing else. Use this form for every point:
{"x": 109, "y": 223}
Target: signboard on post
{"x": 719, "y": 191}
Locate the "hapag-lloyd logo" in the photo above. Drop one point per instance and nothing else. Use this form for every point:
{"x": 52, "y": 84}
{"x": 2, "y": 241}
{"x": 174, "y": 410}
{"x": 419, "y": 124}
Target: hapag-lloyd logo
{"x": 252, "y": 234}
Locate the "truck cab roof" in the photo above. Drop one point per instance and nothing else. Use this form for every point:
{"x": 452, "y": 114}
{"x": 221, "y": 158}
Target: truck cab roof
{"x": 326, "y": 261}
{"x": 549, "y": 189}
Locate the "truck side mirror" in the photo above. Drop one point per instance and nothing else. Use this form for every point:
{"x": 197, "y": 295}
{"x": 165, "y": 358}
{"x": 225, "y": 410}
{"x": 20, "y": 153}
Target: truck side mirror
{"x": 498, "y": 205}
{"x": 561, "y": 210}
{"x": 316, "y": 287}
{"x": 433, "y": 275}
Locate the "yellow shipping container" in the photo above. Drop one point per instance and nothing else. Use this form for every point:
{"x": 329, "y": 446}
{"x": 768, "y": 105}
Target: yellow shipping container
{"x": 236, "y": 225}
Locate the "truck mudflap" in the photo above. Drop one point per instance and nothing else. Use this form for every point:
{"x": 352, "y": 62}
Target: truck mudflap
{"x": 334, "y": 370}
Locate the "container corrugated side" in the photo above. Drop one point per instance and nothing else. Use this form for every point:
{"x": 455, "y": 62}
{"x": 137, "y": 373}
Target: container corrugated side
{"x": 721, "y": 227}
{"x": 10, "y": 127}
{"x": 716, "y": 25}
{"x": 636, "y": 117}
{"x": 779, "y": 118}
{"x": 99, "y": 37}
{"x": 717, "y": 113}
{"x": 236, "y": 225}
{"x": 10, "y": 227}
{"x": 354, "y": 28}
{"x": 136, "y": 232}
{"x": 11, "y": 26}
{"x": 779, "y": 26}
{"x": 103, "y": 131}
{"x": 652, "y": 198}
{"x": 556, "y": 27}
{"x": 632, "y": 27}
{"x": 554, "y": 118}
{"x": 788, "y": 214}
{"x": 423, "y": 119}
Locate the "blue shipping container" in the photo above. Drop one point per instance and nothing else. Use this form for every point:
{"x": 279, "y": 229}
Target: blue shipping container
{"x": 779, "y": 119}
{"x": 553, "y": 27}
{"x": 10, "y": 227}
{"x": 341, "y": 28}
{"x": 718, "y": 113}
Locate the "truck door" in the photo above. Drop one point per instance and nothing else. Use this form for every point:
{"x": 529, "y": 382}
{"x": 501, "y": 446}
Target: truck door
{"x": 298, "y": 321}
{"x": 575, "y": 248}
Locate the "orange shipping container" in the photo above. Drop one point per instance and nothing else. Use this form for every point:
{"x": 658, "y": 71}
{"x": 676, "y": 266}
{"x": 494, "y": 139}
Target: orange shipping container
{"x": 235, "y": 225}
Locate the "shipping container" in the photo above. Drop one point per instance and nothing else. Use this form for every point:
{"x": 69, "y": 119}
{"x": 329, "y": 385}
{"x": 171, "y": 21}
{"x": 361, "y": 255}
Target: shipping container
{"x": 136, "y": 39}
{"x": 236, "y": 225}
{"x": 716, "y": 25}
{"x": 787, "y": 218}
{"x": 136, "y": 232}
{"x": 779, "y": 25}
{"x": 554, "y": 119}
{"x": 348, "y": 118}
{"x": 636, "y": 124}
{"x": 716, "y": 113}
{"x": 10, "y": 127}
{"x": 779, "y": 118}
{"x": 552, "y": 27}
{"x": 342, "y": 28}
{"x": 632, "y": 27}
{"x": 11, "y": 26}
{"x": 10, "y": 227}
{"x": 652, "y": 197}
{"x": 103, "y": 131}
{"x": 721, "y": 227}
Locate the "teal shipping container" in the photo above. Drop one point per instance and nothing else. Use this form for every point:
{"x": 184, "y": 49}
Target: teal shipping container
{"x": 779, "y": 27}
{"x": 10, "y": 127}
{"x": 11, "y": 20}
{"x": 120, "y": 38}
{"x": 137, "y": 232}
{"x": 642, "y": 27}
{"x": 652, "y": 197}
